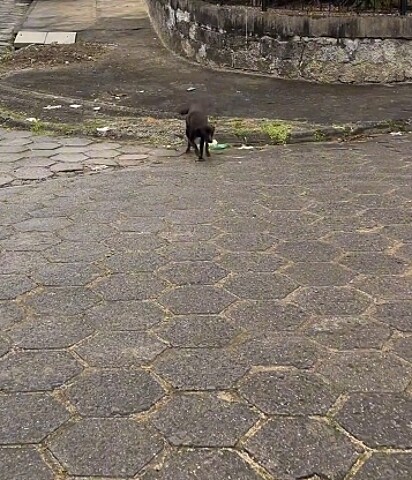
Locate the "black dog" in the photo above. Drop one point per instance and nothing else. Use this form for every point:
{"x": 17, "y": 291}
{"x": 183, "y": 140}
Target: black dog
{"x": 197, "y": 126}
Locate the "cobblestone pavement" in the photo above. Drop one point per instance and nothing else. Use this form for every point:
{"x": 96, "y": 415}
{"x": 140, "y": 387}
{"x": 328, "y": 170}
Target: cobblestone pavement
{"x": 11, "y": 15}
{"x": 248, "y": 318}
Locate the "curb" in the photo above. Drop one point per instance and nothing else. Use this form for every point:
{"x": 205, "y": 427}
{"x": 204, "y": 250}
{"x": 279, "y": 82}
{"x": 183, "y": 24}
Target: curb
{"x": 299, "y": 133}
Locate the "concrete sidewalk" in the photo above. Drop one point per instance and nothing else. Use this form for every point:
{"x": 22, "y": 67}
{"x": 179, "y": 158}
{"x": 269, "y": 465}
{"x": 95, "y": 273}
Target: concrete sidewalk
{"x": 12, "y": 15}
{"x": 140, "y": 78}
{"x": 244, "y": 318}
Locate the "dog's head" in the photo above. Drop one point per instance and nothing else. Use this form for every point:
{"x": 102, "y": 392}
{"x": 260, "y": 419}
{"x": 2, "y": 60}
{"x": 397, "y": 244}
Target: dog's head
{"x": 210, "y": 131}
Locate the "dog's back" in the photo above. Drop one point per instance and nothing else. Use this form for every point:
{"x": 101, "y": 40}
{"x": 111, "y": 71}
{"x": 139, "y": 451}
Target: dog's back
{"x": 197, "y": 122}
{"x": 197, "y": 126}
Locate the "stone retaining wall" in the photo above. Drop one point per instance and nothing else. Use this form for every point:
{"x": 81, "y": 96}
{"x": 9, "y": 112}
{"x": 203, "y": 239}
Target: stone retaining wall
{"x": 348, "y": 49}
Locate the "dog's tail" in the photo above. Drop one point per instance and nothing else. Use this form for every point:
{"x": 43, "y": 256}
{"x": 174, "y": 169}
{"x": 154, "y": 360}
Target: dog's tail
{"x": 184, "y": 111}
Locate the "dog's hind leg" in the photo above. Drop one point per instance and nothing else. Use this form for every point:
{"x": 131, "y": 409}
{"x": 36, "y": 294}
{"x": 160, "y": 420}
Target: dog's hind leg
{"x": 192, "y": 143}
{"x": 202, "y": 144}
{"x": 207, "y": 150}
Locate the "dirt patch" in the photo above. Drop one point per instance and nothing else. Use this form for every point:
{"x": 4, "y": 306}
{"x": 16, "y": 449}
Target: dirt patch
{"x": 46, "y": 56}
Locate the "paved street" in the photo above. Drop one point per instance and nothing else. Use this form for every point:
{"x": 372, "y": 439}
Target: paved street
{"x": 245, "y": 318}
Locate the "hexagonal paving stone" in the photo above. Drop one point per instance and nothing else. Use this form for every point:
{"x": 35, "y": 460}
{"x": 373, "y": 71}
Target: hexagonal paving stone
{"x": 380, "y": 201}
{"x": 65, "y": 274}
{"x": 183, "y": 273}
{"x": 35, "y": 162}
{"x": 189, "y": 233}
{"x": 196, "y": 299}
{"x": 366, "y": 371}
{"x": 62, "y": 300}
{"x": 374, "y": 263}
{"x": 5, "y": 179}
{"x": 347, "y": 333}
{"x": 400, "y": 232}
{"x": 76, "y": 252}
{"x": 403, "y": 348}
{"x": 190, "y": 252}
{"x": 20, "y": 263}
{"x": 197, "y": 331}
{"x": 291, "y": 225}
{"x": 388, "y": 216}
{"x": 245, "y": 242}
{"x": 129, "y": 315}
{"x": 10, "y": 314}
{"x": 32, "y": 173}
{"x": 285, "y": 447}
{"x": 279, "y": 350}
{"x": 11, "y": 286}
{"x": 204, "y": 420}
{"x": 254, "y": 262}
{"x": 290, "y": 392}
{"x": 38, "y": 153}
{"x": 379, "y": 420}
{"x": 360, "y": 242}
{"x": 13, "y": 158}
{"x": 141, "y": 225}
{"x": 385, "y": 288}
{"x": 396, "y": 314}
{"x": 30, "y": 241}
{"x": 192, "y": 216}
{"x": 120, "y": 349}
{"x": 405, "y": 252}
{"x": 18, "y": 141}
{"x": 135, "y": 262}
{"x": 135, "y": 242}
{"x": 42, "y": 145}
{"x": 70, "y": 157}
{"x": 42, "y": 224}
{"x": 200, "y": 368}
{"x": 6, "y": 231}
{"x": 104, "y": 146}
{"x": 308, "y": 251}
{"x": 50, "y": 332}
{"x": 4, "y": 346}
{"x": 93, "y": 232}
{"x": 204, "y": 464}
{"x": 319, "y": 273}
{"x": 36, "y": 371}
{"x": 234, "y": 224}
{"x": 23, "y": 464}
{"x": 289, "y": 202}
{"x": 108, "y": 448}
{"x": 29, "y": 417}
{"x": 266, "y": 316}
{"x": 260, "y": 286}
{"x": 4, "y": 149}
{"x": 103, "y": 393}
{"x": 385, "y": 466}
{"x": 331, "y": 300}
{"x": 137, "y": 286}
{"x": 93, "y": 153}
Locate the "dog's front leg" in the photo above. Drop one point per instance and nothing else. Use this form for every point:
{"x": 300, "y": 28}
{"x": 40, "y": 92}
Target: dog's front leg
{"x": 207, "y": 149}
